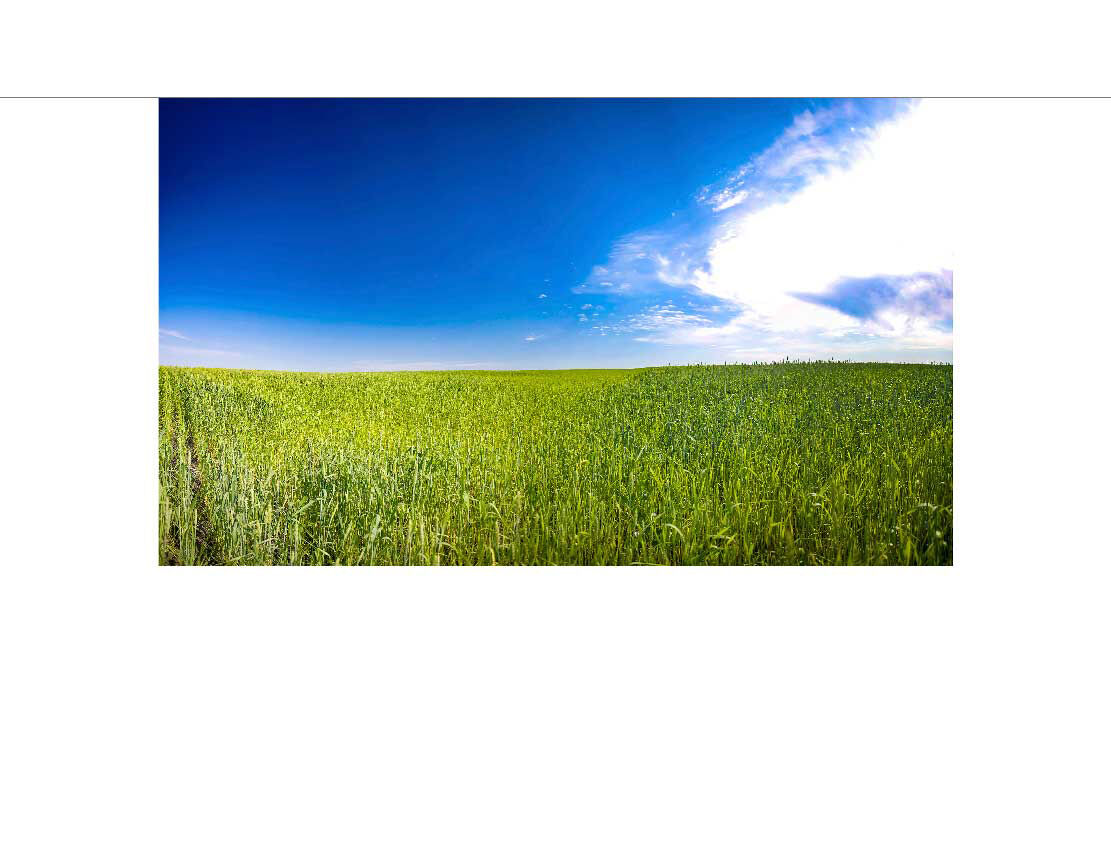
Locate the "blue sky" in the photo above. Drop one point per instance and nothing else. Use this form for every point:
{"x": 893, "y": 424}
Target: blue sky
{"x": 390, "y": 234}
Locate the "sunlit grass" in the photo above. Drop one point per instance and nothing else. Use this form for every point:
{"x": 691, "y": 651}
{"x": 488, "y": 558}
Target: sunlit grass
{"x": 801, "y": 463}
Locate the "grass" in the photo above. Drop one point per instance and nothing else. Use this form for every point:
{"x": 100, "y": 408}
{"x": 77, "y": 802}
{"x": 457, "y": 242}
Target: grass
{"x": 791, "y": 463}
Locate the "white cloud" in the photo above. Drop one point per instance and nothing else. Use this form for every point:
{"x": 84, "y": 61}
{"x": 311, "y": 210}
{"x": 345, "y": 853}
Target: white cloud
{"x": 173, "y": 333}
{"x": 657, "y": 318}
{"x": 888, "y": 212}
{"x": 727, "y": 201}
{"x": 863, "y": 207}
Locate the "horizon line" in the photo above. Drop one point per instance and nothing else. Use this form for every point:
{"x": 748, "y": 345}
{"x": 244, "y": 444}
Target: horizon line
{"x": 784, "y": 361}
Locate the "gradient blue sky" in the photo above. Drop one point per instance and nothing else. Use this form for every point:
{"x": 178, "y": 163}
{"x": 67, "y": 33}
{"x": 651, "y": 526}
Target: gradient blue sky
{"x": 390, "y": 234}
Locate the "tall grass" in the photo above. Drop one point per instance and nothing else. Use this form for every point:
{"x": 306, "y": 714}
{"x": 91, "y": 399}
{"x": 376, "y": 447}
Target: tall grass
{"x": 800, "y": 463}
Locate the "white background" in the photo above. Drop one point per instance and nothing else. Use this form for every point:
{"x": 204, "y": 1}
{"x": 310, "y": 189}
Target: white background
{"x": 704, "y": 714}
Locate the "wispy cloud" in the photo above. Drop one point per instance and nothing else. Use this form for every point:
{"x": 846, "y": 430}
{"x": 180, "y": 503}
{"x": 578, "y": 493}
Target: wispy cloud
{"x": 173, "y": 333}
{"x": 837, "y": 234}
{"x": 657, "y": 318}
{"x": 201, "y": 352}
{"x": 641, "y": 263}
{"x": 925, "y": 295}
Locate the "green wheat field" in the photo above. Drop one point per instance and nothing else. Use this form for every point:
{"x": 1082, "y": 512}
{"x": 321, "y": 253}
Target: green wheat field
{"x": 771, "y": 464}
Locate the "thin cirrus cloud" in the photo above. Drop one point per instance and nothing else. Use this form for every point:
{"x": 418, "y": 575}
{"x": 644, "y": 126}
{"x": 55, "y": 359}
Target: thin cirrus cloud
{"x": 835, "y": 239}
{"x": 187, "y": 352}
{"x": 658, "y": 317}
{"x": 200, "y": 352}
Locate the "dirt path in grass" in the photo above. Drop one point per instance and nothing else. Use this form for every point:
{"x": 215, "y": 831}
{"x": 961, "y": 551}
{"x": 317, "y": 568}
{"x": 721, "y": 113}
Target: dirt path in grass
{"x": 204, "y": 526}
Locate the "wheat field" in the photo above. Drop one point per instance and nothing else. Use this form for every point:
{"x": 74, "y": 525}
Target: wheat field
{"x": 773, "y": 464}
